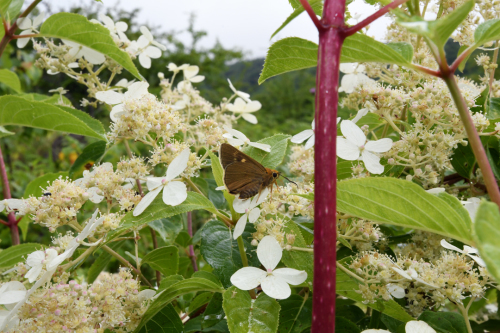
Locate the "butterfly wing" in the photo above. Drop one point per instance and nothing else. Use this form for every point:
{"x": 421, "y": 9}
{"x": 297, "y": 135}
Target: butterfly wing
{"x": 242, "y": 174}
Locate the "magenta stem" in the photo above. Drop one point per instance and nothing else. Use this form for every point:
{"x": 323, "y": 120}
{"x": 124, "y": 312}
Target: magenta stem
{"x": 325, "y": 169}
{"x": 191, "y": 248}
{"x": 312, "y": 14}
{"x": 12, "y": 222}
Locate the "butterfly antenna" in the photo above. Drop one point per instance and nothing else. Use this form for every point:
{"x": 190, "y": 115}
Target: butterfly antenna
{"x": 290, "y": 181}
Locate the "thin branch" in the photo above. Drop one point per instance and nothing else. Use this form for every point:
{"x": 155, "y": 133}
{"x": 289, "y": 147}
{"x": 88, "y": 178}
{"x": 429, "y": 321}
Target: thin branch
{"x": 244, "y": 260}
{"x": 126, "y": 263}
{"x": 312, "y": 15}
{"x": 24, "y": 36}
{"x": 461, "y": 57}
{"x": 382, "y": 11}
{"x": 426, "y": 70}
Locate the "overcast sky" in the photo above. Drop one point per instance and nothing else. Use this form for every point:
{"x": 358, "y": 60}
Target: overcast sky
{"x": 247, "y": 24}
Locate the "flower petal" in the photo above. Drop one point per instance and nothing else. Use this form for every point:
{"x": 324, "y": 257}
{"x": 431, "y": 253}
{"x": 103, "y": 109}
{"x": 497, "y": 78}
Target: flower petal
{"x": 153, "y": 52}
{"x": 448, "y": 246}
{"x": 154, "y": 182}
{"x": 347, "y": 150}
{"x": 419, "y": 326}
{"x": 174, "y": 193}
{"x": 109, "y": 97}
{"x": 361, "y": 113}
{"x": 94, "y": 57}
{"x": 137, "y": 90}
{"x": 116, "y": 112}
{"x": 261, "y": 146}
{"x": 436, "y": 190}
{"x": 13, "y": 296}
{"x": 22, "y": 42}
{"x": 146, "y": 294}
{"x": 248, "y": 278}
{"x": 276, "y": 287}
{"x": 254, "y": 215}
{"x": 240, "y": 226}
{"x": 372, "y": 163}
{"x": 145, "y": 31}
{"x": 379, "y": 146}
{"x": 353, "y": 133}
{"x": 146, "y": 201}
{"x": 179, "y": 164}
{"x": 402, "y": 273}
{"x": 310, "y": 143}
{"x": 236, "y": 133}
{"x": 269, "y": 252}
{"x": 121, "y": 26}
{"x": 94, "y": 195}
{"x": 290, "y": 275}
{"x": 24, "y": 23}
{"x": 191, "y": 71}
{"x": 395, "y": 290}
{"x": 197, "y": 78}
{"x": 261, "y": 197}
{"x": 33, "y": 273}
{"x": 253, "y": 106}
{"x": 241, "y": 205}
{"x": 250, "y": 118}
{"x": 302, "y": 136}
{"x": 233, "y": 142}
{"x": 348, "y": 68}
{"x": 35, "y": 258}
{"x": 144, "y": 60}
{"x": 479, "y": 261}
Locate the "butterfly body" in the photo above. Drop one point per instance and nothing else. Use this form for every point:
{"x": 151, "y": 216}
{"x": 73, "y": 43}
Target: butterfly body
{"x": 243, "y": 175}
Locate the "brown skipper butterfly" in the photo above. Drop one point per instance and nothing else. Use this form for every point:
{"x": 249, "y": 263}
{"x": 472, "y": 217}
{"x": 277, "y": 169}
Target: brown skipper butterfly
{"x": 243, "y": 175}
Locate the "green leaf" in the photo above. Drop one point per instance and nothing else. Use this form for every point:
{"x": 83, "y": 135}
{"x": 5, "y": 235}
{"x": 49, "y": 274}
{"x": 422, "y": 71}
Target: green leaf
{"x": 221, "y": 252}
{"x": 344, "y": 170}
{"x": 218, "y": 173}
{"x": 34, "y": 188}
{"x": 347, "y": 286}
{"x": 159, "y": 210}
{"x": 77, "y": 28}
{"x": 167, "y": 320}
{"x": 295, "y": 314}
{"x": 183, "y": 239}
{"x": 164, "y": 259}
{"x": 90, "y": 154}
{"x": 102, "y": 261}
{"x": 405, "y": 49}
{"x": 289, "y": 54}
{"x": 316, "y": 5}
{"x": 494, "y": 109}
{"x": 10, "y": 79}
{"x": 54, "y": 99}
{"x": 343, "y": 325}
{"x": 487, "y": 234}
{"x": 463, "y": 160}
{"x": 278, "y": 143}
{"x": 213, "y": 313}
{"x": 17, "y": 253}
{"x": 199, "y": 301}
{"x": 168, "y": 229}
{"x": 457, "y": 206}
{"x": 298, "y": 259}
{"x": 4, "y": 132}
{"x": 437, "y": 31}
{"x": 402, "y": 203}
{"x": 444, "y": 322}
{"x": 93, "y": 123}
{"x": 487, "y": 32}
{"x": 361, "y": 48}
{"x": 192, "y": 285}
{"x": 462, "y": 48}
{"x": 246, "y": 315}
{"x": 9, "y": 9}
{"x": 18, "y": 111}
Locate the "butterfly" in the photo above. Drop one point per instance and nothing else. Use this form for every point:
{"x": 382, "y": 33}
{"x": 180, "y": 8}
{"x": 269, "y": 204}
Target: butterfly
{"x": 243, "y": 175}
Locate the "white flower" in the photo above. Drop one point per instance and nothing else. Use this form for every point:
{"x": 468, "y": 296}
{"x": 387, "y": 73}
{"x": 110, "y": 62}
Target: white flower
{"x": 395, "y": 290}
{"x": 124, "y": 83}
{"x": 355, "y": 144}
{"x": 182, "y": 103}
{"x": 436, "y": 190}
{"x": 240, "y": 106}
{"x": 146, "y": 47}
{"x": 146, "y": 294}
{"x": 28, "y": 28}
{"x": 467, "y": 251}
{"x": 12, "y": 293}
{"x": 413, "y": 326}
{"x": 304, "y": 135}
{"x": 174, "y": 192}
{"x": 412, "y": 275}
{"x": 176, "y": 69}
{"x": 12, "y": 205}
{"x": 354, "y": 77}
{"x": 79, "y": 51}
{"x": 236, "y": 138}
{"x": 36, "y": 261}
{"x": 361, "y": 113}
{"x": 116, "y": 29}
{"x": 92, "y": 224}
{"x": 472, "y": 204}
{"x": 94, "y": 193}
{"x": 190, "y": 74}
{"x": 274, "y": 282}
{"x": 243, "y": 95}
{"x": 135, "y": 91}
{"x": 248, "y": 208}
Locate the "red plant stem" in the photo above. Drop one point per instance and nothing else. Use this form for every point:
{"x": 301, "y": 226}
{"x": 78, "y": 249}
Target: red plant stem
{"x": 425, "y": 70}
{"x": 12, "y": 222}
{"x": 191, "y": 248}
{"x": 312, "y": 14}
{"x": 460, "y": 58}
{"x": 325, "y": 167}
{"x": 382, "y": 11}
